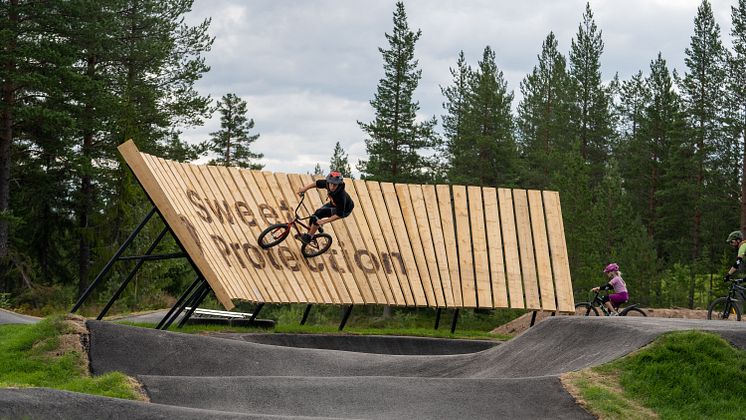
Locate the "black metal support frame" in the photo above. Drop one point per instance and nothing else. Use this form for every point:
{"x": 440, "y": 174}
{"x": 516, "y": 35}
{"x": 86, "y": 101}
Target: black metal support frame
{"x": 305, "y": 314}
{"x": 256, "y": 312}
{"x": 345, "y": 317}
{"x": 454, "y": 320}
{"x": 437, "y": 318}
{"x": 180, "y": 304}
{"x": 533, "y": 319}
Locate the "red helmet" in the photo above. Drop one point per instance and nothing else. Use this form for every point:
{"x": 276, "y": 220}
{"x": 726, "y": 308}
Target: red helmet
{"x": 335, "y": 178}
{"x": 611, "y": 267}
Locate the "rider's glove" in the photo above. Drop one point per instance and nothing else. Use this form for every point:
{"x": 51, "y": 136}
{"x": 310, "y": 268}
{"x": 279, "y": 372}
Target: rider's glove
{"x": 726, "y": 278}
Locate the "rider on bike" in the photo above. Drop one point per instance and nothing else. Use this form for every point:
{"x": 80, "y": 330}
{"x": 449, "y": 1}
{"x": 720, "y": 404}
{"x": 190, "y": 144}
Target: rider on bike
{"x": 620, "y": 294}
{"x": 735, "y": 239}
{"x": 340, "y": 204}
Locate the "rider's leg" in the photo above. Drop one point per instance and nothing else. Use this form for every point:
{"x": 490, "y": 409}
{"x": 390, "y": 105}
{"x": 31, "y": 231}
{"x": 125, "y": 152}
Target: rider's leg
{"x": 325, "y": 212}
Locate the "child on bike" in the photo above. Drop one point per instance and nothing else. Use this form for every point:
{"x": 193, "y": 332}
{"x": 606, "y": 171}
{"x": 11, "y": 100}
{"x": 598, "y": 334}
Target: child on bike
{"x": 735, "y": 239}
{"x": 620, "y": 295}
{"x": 340, "y": 204}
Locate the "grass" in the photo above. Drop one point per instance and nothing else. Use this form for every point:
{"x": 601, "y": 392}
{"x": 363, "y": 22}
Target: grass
{"x": 31, "y": 355}
{"x": 682, "y": 375}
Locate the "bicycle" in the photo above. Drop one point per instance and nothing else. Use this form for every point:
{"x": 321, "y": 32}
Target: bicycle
{"x": 729, "y": 308}
{"x": 278, "y": 232}
{"x": 591, "y": 308}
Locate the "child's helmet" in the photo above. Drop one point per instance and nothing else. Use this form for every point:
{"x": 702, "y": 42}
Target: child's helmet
{"x": 735, "y": 235}
{"x": 611, "y": 267}
{"x": 334, "y": 177}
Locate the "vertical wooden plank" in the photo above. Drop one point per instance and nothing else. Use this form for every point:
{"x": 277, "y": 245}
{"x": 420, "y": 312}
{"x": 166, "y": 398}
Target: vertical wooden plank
{"x": 335, "y": 255}
{"x": 219, "y": 227}
{"x": 249, "y": 215}
{"x": 495, "y": 244}
{"x": 368, "y": 258}
{"x": 416, "y": 194}
{"x": 397, "y": 221}
{"x": 393, "y": 262}
{"x": 510, "y": 246}
{"x": 206, "y": 247}
{"x": 447, "y": 222}
{"x": 276, "y": 278}
{"x": 269, "y": 214}
{"x": 331, "y": 279}
{"x": 479, "y": 247}
{"x": 439, "y": 246}
{"x": 558, "y": 250}
{"x": 248, "y": 274}
{"x": 465, "y": 255}
{"x": 526, "y": 246}
{"x": 412, "y": 232}
{"x": 541, "y": 246}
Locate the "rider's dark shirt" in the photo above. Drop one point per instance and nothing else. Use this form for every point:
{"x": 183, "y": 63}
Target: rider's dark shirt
{"x": 339, "y": 198}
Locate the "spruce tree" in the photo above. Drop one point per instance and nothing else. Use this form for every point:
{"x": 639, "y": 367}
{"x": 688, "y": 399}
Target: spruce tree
{"x": 232, "y": 142}
{"x": 543, "y": 115}
{"x": 455, "y": 106}
{"x": 590, "y": 116}
{"x": 737, "y": 89}
{"x": 703, "y": 93}
{"x": 339, "y": 161}
{"x": 397, "y": 144}
{"x": 485, "y": 153}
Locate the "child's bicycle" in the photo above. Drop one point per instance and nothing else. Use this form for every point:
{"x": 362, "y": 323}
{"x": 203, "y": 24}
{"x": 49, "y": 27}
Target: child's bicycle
{"x": 592, "y": 308}
{"x": 728, "y": 308}
{"x": 278, "y": 232}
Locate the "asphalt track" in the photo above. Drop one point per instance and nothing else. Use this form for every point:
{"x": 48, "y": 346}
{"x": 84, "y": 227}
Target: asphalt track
{"x": 192, "y": 376}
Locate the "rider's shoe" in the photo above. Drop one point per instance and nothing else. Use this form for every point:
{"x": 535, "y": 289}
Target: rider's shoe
{"x": 305, "y": 238}
{"x": 614, "y": 314}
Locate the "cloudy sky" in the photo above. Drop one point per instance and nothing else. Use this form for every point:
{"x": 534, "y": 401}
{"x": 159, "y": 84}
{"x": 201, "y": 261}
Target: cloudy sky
{"x": 308, "y": 69}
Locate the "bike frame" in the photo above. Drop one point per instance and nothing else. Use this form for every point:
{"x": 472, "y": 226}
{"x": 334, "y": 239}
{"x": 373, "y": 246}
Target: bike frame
{"x": 737, "y": 291}
{"x": 298, "y": 220}
{"x": 596, "y": 301}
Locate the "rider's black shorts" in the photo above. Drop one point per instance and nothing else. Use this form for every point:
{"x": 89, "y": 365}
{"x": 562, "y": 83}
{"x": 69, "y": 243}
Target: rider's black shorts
{"x": 327, "y": 210}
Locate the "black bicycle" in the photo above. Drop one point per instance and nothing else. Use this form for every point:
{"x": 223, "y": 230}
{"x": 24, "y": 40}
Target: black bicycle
{"x": 592, "y": 307}
{"x": 729, "y": 308}
{"x": 278, "y": 232}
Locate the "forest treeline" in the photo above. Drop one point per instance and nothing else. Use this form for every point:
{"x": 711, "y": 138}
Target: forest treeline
{"x": 649, "y": 169}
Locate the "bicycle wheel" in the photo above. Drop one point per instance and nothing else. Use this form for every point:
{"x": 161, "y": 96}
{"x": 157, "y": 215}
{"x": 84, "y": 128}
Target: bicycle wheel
{"x": 273, "y": 235}
{"x": 723, "y": 309}
{"x": 585, "y": 309}
{"x": 317, "y": 246}
{"x": 633, "y": 312}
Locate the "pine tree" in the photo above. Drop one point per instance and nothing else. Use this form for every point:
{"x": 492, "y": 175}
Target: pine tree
{"x": 703, "y": 93}
{"x": 317, "y": 171}
{"x": 397, "y": 143}
{"x": 543, "y": 115}
{"x": 455, "y": 106}
{"x": 485, "y": 153}
{"x": 231, "y": 143}
{"x": 339, "y": 162}
{"x": 591, "y": 116}
{"x": 737, "y": 89}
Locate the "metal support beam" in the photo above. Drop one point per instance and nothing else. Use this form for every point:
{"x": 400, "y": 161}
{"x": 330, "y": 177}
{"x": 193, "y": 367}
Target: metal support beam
{"x": 454, "y": 321}
{"x": 179, "y": 302}
{"x": 305, "y": 314}
{"x": 188, "y": 302}
{"x": 194, "y": 305}
{"x": 533, "y": 319}
{"x": 256, "y": 312}
{"x": 345, "y": 317}
{"x": 154, "y": 257}
{"x": 131, "y": 275}
{"x": 437, "y": 318}
{"x": 108, "y": 265}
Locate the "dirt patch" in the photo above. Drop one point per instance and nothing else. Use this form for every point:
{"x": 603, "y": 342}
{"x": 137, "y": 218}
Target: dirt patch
{"x": 523, "y": 322}
{"x": 610, "y": 383}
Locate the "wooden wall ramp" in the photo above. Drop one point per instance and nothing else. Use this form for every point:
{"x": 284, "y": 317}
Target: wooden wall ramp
{"x": 404, "y": 244}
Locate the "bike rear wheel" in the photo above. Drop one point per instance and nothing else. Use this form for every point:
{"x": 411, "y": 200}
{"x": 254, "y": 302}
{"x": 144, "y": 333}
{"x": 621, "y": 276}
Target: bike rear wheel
{"x": 585, "y": 309}
{"x": 317, "y": 245}
{"x": 273, "y": 235}
{"x": 723, "y": 309}
{"x": 633, "y": 312}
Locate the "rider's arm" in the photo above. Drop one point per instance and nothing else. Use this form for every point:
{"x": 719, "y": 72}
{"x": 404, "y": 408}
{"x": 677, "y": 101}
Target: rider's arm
{"x": 305, "y": 188}
{"x": 606, "y": 286}
{"x": 735, "y": 265}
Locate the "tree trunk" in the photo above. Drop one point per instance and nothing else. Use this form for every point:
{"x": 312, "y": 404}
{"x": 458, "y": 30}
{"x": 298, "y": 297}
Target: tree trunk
{"x": 7, "y": 93}
{"x": 743, "y": 176}
{"x": 86, "y": 193}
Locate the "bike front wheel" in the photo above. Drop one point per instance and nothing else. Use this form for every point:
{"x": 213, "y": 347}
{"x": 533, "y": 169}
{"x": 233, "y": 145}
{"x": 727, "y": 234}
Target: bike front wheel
{"x": 633, "y": 312}
{"x": 724, "y": 309}
{"x": 585, "y": 309}
{"x": 273, "y": 235}
{"x": 317, "y": 245}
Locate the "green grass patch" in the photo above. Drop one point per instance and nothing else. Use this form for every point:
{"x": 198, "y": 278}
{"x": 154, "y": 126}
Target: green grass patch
{"x": 30, "y": 356}
{"x": 681, "y": 375}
